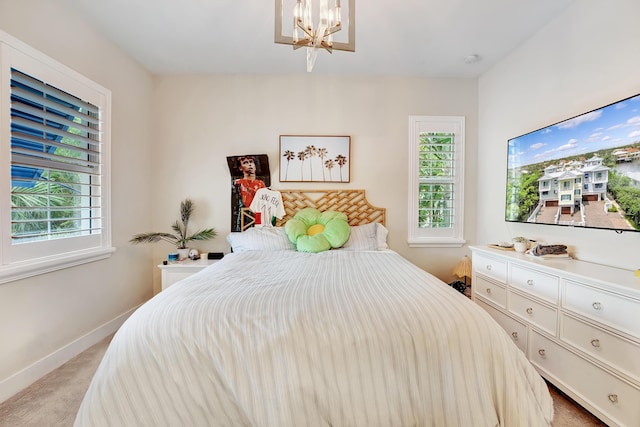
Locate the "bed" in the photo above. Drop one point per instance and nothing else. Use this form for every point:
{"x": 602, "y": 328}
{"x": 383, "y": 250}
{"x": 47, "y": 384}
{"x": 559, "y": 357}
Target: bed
{"x": 270, "y": 336}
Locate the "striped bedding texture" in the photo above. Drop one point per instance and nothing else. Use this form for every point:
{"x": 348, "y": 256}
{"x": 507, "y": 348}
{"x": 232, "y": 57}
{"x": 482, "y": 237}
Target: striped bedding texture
{"x": 339, "y": 338}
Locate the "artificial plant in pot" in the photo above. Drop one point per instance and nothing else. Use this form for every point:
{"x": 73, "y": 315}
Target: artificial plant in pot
{"x": 181, "y": 236}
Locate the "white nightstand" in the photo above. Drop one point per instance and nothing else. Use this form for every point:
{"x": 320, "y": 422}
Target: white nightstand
{"x": 175, "y": 271}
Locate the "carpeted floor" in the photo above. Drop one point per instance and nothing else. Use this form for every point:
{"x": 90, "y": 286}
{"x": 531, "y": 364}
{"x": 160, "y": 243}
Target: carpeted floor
{"x": 53, "y": 400}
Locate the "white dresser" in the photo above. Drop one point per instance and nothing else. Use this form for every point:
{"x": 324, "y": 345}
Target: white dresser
{"x": 577, "y": 322}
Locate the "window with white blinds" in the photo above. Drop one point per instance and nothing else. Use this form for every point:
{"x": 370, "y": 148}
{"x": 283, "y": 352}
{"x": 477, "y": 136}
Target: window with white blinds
{"x": 56, "y": 207}
{"x": 436, "y": 181}
{"x": 436, "y": 154}
{"x": 55, "y": 162}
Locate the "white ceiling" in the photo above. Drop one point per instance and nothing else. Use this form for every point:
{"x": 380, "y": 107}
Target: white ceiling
{"x": 427, "y": 38}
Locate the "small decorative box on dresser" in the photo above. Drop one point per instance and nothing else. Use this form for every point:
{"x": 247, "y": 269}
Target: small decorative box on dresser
{"x": 179, "y": 270}
{"x": 577, "y": 322}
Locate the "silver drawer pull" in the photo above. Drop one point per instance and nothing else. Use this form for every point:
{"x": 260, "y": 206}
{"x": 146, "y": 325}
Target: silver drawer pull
{"x": 595, "y": 343}
{"x": 514, "y": 335}
{"x": 597, "y": 306}
{"x": 529, "y": 310}
{"x": 613, "y": 398}
{"x": 489, "y": 267}
{"x": 541, "y": 352}
{"x": 488, "y": 290}
{"x": 530, "y": 282}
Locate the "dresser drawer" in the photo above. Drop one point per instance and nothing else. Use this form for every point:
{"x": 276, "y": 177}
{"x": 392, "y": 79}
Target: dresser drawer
{"x": 490, "y": 291}
{"x": 542, "y": 285}
{"x": 607, "y": 394}
{"x": 516, "y": 330}
{"x": 610, "y": 309}
{"x": 621, "y": 354}
{"x": 537, "y": 314}
{"x": 490, "y": 267}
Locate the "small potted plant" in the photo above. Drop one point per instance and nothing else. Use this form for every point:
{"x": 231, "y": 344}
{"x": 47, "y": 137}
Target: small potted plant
{"x": 181, "y": 238}
{"x": 520, "y": 244}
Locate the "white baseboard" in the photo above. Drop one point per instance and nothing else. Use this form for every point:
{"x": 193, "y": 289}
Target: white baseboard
{"x": 21, "y": 380}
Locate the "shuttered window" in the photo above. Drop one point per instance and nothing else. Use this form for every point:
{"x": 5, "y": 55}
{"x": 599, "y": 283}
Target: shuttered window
{"x": 55, "y": 142}
{"x": 436, "y": 181}
{"x": 436, "y": 174}
{"x": 55, "y": 162}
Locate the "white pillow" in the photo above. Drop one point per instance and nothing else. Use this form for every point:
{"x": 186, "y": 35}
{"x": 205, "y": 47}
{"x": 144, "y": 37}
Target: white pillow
{"x": 260, "y": 239}
{"x": 381, "y": 236}
{"x": 367, "y": 237}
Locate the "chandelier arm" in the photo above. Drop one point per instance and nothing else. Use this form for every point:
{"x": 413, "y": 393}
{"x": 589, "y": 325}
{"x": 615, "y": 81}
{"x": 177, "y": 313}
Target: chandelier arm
{"x": 326, "y": 46}
{"x": 309, "y": 44}
{"x": 307, "y": 31}
{"x": 333, "y": 29}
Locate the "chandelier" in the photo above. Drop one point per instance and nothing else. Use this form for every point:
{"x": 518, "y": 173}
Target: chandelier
{"x": 316, "y": 35}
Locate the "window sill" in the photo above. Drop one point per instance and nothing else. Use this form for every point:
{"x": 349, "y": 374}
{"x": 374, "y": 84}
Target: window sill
{"x": 22, "y": 270}
{"x": 436, "y": 243}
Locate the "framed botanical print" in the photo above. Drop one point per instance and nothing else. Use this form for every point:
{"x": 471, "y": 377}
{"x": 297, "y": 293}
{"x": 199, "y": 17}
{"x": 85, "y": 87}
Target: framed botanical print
{"x": 306, "y": 158}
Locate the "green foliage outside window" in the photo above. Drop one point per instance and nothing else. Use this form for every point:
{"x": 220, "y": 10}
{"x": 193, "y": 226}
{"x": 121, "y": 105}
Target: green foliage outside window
{"x": 52, "y": 205}
{"x": 435, "y": 198}
{"x": 47, "y": 207}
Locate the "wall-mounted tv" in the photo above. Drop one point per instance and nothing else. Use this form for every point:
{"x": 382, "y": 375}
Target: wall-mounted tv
{"x": 581, "y": 172}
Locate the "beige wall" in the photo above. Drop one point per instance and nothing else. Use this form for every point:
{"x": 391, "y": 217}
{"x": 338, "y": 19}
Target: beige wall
{"x": 42, "y": 317}
{"x": 587, "y": 58}
{"x": 199, "y": 120}
{"x": 170, "y": 138}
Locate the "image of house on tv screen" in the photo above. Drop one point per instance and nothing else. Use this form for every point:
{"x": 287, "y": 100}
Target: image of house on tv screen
{"x": 582, "y": 172}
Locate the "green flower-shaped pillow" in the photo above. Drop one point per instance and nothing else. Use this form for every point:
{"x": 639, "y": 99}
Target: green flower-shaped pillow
{"x": 314, "y": 231}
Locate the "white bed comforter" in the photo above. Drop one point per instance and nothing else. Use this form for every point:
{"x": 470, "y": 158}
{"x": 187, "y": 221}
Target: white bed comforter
{"x": 332, "y": 339}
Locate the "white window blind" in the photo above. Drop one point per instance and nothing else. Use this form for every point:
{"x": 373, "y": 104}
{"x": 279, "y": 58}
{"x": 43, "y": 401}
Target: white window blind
{"x": 436, "y": 181}
{"x": 436, "y": 201}
{"x": 55, "y": 162}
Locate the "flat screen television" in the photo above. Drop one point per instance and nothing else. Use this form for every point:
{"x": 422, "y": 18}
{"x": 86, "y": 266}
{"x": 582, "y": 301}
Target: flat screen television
{"x": 581, "y": 172}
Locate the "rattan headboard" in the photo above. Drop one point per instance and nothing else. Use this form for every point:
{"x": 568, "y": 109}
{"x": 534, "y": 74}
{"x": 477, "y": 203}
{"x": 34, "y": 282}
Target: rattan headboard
{"x": 352, "y": 203}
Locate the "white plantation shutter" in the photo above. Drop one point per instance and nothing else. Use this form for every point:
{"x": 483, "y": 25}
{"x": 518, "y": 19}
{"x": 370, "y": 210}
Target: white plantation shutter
{"x": 436, "y": 174}
{"x": 436, "y": 181}
{"x": 54, "y": 140}
{"x": 55, "y": 162}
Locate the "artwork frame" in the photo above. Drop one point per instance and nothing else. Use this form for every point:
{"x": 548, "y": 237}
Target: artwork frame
{"x": 249, "y": 172}
{"x": 330, "y": 155}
